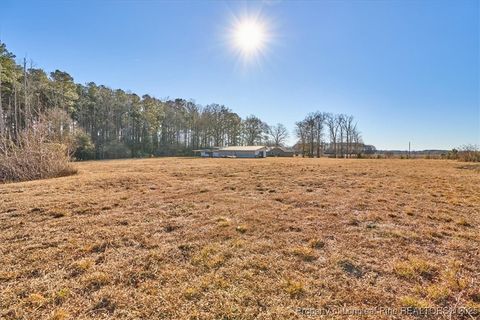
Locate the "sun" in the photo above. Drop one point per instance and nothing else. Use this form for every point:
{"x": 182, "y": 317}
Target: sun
{"x": 249, "y": 36}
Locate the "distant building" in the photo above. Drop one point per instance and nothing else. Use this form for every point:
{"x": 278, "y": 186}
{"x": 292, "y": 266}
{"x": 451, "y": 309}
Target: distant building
{"x": 207, "y": 152}
{"x": 280, "y": 152}
{"x": 243, "y": 152}
{"x": 234, "y": 152}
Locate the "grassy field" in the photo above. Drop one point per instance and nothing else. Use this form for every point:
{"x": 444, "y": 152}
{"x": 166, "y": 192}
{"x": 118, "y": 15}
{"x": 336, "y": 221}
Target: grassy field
{"x": 181, "y": 238}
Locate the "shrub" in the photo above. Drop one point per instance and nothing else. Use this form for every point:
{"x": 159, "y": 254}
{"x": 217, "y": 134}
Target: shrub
{"x": 37, "y": 152}
{"x": 452, "y": 155}
{"x": 389, "y": 155}
{"x": 116, "y": 150}
{"x": 469, "y": 153}
{"x": 84, "y": 147}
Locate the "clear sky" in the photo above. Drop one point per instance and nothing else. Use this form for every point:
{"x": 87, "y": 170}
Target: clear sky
{"x": 407, "y": 70}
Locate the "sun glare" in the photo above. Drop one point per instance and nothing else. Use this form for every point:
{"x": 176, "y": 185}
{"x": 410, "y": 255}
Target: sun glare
{"x": 249, "y": 37}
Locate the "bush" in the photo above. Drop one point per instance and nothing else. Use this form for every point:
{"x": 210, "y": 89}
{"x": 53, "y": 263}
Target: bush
{"x": 36, "y": 153}
{"x": 469, "y": 153}
{"x": 116, "y": 150}
{"x": 84, "y": 147}
{"x": 452, "y": 155}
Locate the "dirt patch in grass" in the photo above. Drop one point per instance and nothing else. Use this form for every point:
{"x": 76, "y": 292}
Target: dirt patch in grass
{"x": 181, "y": 238}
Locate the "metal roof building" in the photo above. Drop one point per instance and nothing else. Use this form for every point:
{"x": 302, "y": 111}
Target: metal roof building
{"x": 235, "y": 152}
{"x": 280, "y": 152}
{"x": 243, "y": 152}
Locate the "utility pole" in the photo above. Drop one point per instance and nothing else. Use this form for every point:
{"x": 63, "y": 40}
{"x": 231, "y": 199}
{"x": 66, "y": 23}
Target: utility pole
{"x": 408, "y": 149}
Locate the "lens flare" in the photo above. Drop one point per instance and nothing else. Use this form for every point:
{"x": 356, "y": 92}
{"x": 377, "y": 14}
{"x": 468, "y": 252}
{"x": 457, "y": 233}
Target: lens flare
{"x": 249, "y": 37}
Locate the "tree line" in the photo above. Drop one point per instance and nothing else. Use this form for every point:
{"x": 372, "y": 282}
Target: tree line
{"x": 110, "y": 123}
{"x": 336, "y": 135}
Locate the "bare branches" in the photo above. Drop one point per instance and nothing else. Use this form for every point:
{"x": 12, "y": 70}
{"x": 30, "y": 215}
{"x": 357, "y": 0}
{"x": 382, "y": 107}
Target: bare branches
{"x": 39, "y": 151}
{"x": 278, "y": 134}
{"x": 255, "y": 131}
{"x": 344, "y": 139}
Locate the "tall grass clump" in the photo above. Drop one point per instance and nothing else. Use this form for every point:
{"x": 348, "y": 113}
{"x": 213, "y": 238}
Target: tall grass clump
{"x": 466, "y": 153}
{"x": 42, "y": 150}
{"x": 469, "y": 153}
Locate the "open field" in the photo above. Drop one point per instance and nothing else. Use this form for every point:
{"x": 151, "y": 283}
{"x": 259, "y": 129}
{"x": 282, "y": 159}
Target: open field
{"x": 187, "y": 238}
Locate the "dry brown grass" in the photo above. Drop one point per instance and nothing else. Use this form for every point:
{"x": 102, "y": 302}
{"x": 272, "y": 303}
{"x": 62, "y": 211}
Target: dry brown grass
{"x": 237, "y": 239}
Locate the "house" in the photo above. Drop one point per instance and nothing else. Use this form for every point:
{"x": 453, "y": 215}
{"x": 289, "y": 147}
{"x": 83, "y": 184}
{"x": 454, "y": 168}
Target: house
{"x": 280, "y": 152}
{"x": 233, "y": 152}
{"x": 208, "y": 152}
{"x": 243, "y": 152}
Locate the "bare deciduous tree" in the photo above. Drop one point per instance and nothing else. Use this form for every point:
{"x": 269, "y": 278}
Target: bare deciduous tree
{"x": 301, "y": 132}
{"x": 348, "y": 128}
{"x": 255, "y": 131}
{"x": 344, "y": 137}
{"x": 333, "y": 127}
{"x": 278, "y": 134}
{"x": 319, "y": 124}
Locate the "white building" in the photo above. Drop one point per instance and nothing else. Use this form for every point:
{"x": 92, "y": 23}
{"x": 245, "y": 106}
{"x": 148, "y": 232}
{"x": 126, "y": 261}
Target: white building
{"x": 234, "y": 152}
{"x": 243, "y": 152}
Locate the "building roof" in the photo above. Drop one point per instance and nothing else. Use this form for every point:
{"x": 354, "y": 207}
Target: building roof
{"x": 243, "y": 148}
{"x": 207, "y": 149}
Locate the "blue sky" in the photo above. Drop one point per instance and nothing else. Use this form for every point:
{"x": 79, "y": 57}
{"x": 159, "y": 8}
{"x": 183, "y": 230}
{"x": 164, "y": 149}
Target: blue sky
{"x": 407, "y": 70}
